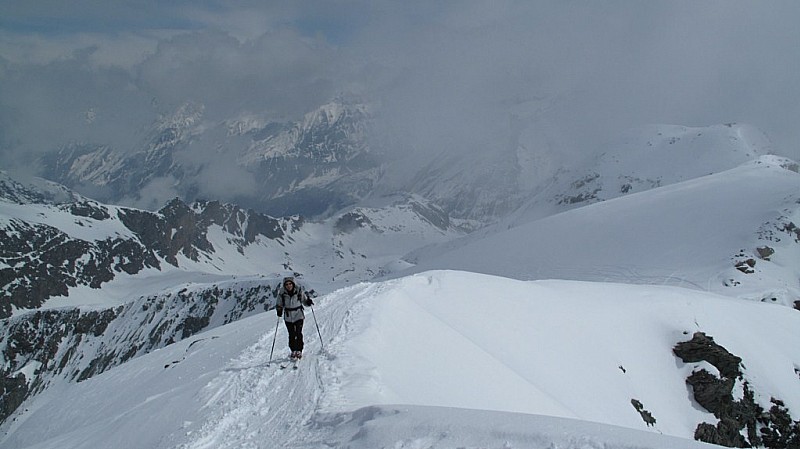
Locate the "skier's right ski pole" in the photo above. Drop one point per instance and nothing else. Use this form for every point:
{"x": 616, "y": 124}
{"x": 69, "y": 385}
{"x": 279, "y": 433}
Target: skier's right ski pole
{"x": 322, "y": 346}
{"x": 277, "y": 322}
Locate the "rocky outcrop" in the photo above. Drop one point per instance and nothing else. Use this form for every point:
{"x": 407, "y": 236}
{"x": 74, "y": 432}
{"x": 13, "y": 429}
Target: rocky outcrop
{"x": 741, "y": 422}
{"x": 647, "y": 417}
{"x": 703, "y": 348}
{"x": 40, "y": 261}
{"x": 40, "y": 347}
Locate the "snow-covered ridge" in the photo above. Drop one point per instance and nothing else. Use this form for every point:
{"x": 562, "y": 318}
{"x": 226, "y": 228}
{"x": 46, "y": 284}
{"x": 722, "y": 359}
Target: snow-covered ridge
{"x": 643, "y": 159}
{"x": 442, "y": 359}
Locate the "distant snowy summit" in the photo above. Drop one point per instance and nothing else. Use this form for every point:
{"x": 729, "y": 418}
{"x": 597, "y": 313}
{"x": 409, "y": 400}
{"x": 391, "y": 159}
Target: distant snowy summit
{"x": 315, "y": 165}
{"x": 643, "y": 159}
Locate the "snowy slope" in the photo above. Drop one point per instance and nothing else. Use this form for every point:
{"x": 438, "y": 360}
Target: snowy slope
{"x": 439, "y": 359}
{"x": 693, "y": 234}
{"x": 642, "y": 159}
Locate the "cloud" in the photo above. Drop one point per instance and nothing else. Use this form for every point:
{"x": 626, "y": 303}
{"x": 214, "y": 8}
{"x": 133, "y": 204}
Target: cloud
{"x": 589, "y": 70}
{"x": 86, "y": 96}
{"x": 459, "y": 75}
{"x": 280, "y": 71}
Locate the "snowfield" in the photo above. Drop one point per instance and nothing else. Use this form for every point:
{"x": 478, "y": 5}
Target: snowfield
{"x": 690, "y": 234}
{"x": 433, "y": 360}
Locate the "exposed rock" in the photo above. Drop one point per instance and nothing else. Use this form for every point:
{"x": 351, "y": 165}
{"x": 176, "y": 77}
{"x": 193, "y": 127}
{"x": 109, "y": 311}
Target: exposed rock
{"x": 40, "y": 261}
{"x": 74, "y": 345}
{"x": 725, "y": 433}
{"x": 702, "y": 347}
{"x": 746, "y": 266}
{"x": 351, "y": 221}
{"x": 765, "y": 252}
{"x": 741, "y": 423}
{"x": 647, "y": 417}
{"x": 88, "y": 209}
{"x": 792, "y": 229}
{"x": 711, "y": 392}
{"x": 13, "y": 391}
{"x": 783, "y": 431}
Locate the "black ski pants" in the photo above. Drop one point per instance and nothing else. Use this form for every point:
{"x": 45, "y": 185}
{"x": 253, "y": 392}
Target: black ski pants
{"x": 295, "y": 335}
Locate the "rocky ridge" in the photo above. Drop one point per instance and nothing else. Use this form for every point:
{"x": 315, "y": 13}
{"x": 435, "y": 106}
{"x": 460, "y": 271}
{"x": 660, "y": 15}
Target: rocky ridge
{"x": 41, "y": 260}
{"x": 741, "y": 422}
{"x": 38, "y": 348}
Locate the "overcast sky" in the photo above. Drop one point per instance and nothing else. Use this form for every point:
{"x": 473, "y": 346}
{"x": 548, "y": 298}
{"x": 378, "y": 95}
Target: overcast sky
{"x": 447, "y": 73}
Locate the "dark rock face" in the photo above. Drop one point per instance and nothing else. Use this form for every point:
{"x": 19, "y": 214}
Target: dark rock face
{"x": 765, "y": 252}
{"x": 737, "y": 418}
{"x": 702, "y": 347}
{"x": 710, "y": 391}
{"x": 783, "y": 433}
{"x": 73, "y": 345}
{"x": 647, "y": 417}
{"x": 351, "y": 221}
{"x": 36, "y": 340}
{"x": 42, "y": 261}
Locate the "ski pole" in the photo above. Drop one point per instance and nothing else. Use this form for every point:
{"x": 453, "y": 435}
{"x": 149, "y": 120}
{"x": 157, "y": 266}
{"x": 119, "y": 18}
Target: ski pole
{"x": 322, "y": 346}
{"x": 274, "y": 336}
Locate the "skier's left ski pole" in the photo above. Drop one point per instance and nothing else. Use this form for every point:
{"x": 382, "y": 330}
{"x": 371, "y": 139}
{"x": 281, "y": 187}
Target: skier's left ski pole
{"x": 322, "y": 346}
{"x": 277, "y": 322}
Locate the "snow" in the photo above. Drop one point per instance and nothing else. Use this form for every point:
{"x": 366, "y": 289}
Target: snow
{"x": 83, "y": 228}
{"x": 686, "y": 234}
{"x": 437, "y": 359}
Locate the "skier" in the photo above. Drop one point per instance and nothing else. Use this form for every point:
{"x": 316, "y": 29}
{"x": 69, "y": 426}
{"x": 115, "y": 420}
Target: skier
{"x": 291, "y": 300}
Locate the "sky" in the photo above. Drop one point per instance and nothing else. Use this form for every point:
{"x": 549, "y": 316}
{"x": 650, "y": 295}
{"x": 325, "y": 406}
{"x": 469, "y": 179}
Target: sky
{"x": 445, "y": 74}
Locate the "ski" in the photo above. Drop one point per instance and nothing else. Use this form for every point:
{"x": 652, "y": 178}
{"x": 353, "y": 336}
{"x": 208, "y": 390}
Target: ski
{"x": 287, "y": 365}
{"x": 291, "y": 363}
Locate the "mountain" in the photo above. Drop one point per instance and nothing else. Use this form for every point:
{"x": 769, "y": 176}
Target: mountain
{"x": 453, "y": 359}
{"x": 88, "y": 286}
{"x": 333, "y": 158}
{"x": 317, "y": 164}
{"x": 54, "y": 250}
{"x": 734, "y": 233}
{"x": 648, "y": 290}
{"x": 642, "y": 159}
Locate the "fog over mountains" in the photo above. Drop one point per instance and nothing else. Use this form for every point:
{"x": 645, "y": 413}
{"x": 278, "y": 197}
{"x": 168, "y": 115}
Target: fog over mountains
{"x": 523, "y": 224}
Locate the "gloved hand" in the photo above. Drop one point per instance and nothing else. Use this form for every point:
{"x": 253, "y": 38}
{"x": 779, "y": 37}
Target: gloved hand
{"x": 308, "y": 302}
{"x": 279, "y": 311}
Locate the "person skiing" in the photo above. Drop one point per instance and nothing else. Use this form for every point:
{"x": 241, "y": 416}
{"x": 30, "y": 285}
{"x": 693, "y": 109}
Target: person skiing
{"x": 290, "y": 302}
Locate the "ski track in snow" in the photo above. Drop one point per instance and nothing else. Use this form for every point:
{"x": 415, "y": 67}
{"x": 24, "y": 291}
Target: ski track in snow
{"x": 256, "y": 404}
